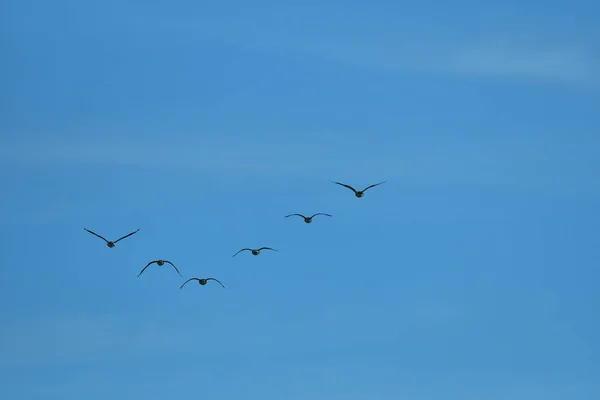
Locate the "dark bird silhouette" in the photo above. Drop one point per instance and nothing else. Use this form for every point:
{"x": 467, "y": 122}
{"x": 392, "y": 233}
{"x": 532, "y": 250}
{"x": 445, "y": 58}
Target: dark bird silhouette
{"x": 201, "y": 281}
{"x": 255, "y": 252}
{"x": 109, "y": 243}
{"x": 160, "y": 263}
{"x": 359, "y": 193}
{"x": 308, "y": 220}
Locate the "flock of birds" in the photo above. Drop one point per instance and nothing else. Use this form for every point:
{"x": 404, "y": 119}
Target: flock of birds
{"x": 204, "y": 281}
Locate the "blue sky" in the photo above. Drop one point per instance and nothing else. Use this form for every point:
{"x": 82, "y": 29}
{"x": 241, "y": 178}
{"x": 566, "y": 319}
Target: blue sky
{"x": 471, "y": 274}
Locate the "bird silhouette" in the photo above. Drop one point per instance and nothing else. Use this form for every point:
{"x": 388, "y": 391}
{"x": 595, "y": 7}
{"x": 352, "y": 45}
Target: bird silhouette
{"x": 160, "y": 263}
{"x": 201, "y": 281}
{"x": 108, "y": 242}
{"x": 255, "y": 252}
{"x": 308, "y": 220}
{"x": 359, "y": 193}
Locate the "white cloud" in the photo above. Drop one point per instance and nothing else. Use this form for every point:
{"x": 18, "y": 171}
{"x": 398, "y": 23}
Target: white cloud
{"x": 384, "y": 48}
{"x": 68, "y": 338}
{"x": 441, "y": 159}
{"x": 563, "y": 63}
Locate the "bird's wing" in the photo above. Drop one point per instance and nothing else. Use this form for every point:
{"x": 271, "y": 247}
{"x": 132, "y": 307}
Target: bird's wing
{"x": 266, "y": 248}
{"x": 147, "y": 265}
{"x": 169, "y": 262}
{"x": 129, "y": 234}
{"x": 348, "y": 186}
{"x": 213, "y": 279}
{"x": 191, "y": 279}
{"x": 329, "y": 215}
{"x": 241, "y": 251}
{"x": 300, "y": 215}
{"x": 95, "y": 234}
{"x": 369, "y": 187}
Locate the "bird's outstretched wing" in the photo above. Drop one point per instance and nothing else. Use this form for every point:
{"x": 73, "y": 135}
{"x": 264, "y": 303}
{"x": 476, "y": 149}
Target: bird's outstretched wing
{"x": 147, "y": 265}
{"x": 369, "y": 187}
{"x": 95, "y": 234}
{"x": 344, "y": 185}
{"x": 241, "y": 251}
{"x": 126, "y": 236}
{"x": 169, "y": 262}
{"x": 266, "y": 248}
{"x": 213, "y": 279}
{"x": 329, "y": 215}
{"x": 300, "y": 215}
{"x": 191, "y": 279}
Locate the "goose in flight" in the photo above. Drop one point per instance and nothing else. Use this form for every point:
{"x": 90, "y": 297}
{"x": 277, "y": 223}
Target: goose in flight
{"x": 359, "y": 193}
{"x": 308, "y": 220}
{"x": 109, "y": 243}
{"x": 255, "y": 252}
{"x": 160, "y": 263}
{"x": 201, "y": 281}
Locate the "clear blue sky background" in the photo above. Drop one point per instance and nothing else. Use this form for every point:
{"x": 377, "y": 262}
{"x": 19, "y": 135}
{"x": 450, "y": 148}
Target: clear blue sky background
{"x": 472, "y": 274}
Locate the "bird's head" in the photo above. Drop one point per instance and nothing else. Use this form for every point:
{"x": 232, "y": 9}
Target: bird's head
{"x": 202, "y": 281}
{"x": 308, "y": 220}
{"x": 255, "y": 252}
{"x": 359, "y": 194}
{"x": 110, "y": 244}
{"x": 160, "y": 262}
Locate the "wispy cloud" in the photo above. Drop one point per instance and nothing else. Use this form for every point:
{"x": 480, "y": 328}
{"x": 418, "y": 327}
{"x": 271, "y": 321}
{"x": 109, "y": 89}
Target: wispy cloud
{"x": 383, "y": 48}
{"x": 68, "y": 338}
{"x": 190, "y": 349}
{"x": 567, "y": 63}
{"x": 410, "y": 159}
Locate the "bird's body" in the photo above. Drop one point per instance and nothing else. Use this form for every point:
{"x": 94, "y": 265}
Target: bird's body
{"x": 160, "y": 263}
{"x": 202, "y": 281}
{"x": 308, "y": 220}
{"x": 254, "y": 252}
{"x": 109, "y": 243}
{"x": 359, "y": 193}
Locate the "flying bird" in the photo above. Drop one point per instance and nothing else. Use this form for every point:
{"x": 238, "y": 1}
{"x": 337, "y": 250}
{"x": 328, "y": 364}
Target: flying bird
{"x": 109, "y": 243}
{"x": 201, "y": 281}
{"x": 308, "y": 220}
{"x": 160, "y": 263}
{"x": 359, "y": 193}
{"x": 255, "y": 252}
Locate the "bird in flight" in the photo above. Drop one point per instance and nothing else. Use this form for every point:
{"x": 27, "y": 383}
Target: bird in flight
{"x": 109, "y": 243}
{"x": 201, "y": 281}
{"x": 255, "y": 252}
{"x": 160, "y": 263}
{"x": 359, "y": 193}
{"x": 308, "y": 220}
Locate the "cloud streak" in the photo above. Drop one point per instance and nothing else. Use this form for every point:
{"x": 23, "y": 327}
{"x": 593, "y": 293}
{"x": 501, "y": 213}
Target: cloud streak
{"x": 559, "y": 63}
{"x": 76, "y": 343}
{"x": 506, "y": 56}
{"x": 411, "y": 160}
{"x": 73, "y": 339}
